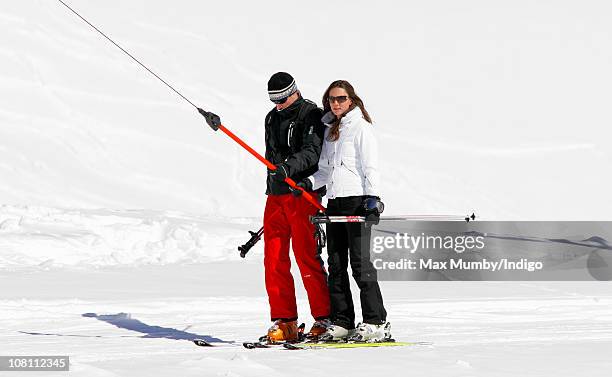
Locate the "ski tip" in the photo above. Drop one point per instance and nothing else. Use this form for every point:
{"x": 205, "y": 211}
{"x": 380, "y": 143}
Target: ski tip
{"x": 202, "y": 343}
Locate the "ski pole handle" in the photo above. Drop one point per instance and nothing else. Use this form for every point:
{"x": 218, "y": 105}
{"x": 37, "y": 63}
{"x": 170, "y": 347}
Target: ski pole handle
{"x": 255, "y": 237}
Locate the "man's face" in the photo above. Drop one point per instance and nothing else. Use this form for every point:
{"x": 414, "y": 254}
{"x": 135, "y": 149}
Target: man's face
{"x": 290, "y": 100}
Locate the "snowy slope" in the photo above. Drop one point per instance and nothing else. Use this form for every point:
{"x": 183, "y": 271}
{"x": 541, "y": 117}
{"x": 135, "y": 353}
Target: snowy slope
{"x": 42, "y": 238}
{"x": 116, "y": 323}
{"x": 496, "y": 107}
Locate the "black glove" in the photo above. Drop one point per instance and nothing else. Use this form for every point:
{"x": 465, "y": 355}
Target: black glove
{"x": 305, "y": 184}
{"x": 281, "y": 172}
{"x": 372, "y": 206}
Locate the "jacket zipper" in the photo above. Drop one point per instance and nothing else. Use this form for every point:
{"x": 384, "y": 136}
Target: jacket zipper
{"x": 289, "y": 134}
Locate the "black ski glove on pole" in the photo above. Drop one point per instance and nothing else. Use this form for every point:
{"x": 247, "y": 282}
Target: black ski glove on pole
{"x": 304, "y": 184}
{"x": 372, "y": 206}
{"x": 281, "y": 172}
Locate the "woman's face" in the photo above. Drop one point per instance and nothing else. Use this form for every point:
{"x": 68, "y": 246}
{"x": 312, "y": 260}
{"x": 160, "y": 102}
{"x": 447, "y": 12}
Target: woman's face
{"x": 339, "y": 101}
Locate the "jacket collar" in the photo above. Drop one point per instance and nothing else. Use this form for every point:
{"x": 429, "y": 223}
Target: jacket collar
{"x": 329, "y": 118}
{"x": 351, "y": 116}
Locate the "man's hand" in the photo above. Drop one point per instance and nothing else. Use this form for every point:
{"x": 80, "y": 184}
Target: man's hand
{"x": 304, "y": 184}
{"x": 281, "y": 172}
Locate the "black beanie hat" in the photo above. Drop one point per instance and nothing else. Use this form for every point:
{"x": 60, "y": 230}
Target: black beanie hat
{"x": 281, "y": 85}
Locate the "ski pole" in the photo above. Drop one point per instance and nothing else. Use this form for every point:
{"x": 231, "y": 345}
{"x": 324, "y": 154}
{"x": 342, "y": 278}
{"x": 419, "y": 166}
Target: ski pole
{"x": 214, "y": 121}
{"x": 324, "y": 219}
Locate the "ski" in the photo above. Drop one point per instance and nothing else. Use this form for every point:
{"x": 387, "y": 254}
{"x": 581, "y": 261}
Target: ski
{"x": 305, "y": 346}
{"x": 253, "y": 345}
{"x": 264, "y": 343}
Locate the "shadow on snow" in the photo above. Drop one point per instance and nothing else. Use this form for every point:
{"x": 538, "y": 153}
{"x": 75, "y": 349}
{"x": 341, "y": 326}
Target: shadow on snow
{"x": 125, "y": 321}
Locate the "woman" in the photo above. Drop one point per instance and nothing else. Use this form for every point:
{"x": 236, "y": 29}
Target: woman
{"x": 348, "y": 167}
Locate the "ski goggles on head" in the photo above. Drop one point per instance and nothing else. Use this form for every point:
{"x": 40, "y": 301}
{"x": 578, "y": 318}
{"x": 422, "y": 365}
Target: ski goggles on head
{"x": 339, "y": 99}
{"x": 373, "y": 205}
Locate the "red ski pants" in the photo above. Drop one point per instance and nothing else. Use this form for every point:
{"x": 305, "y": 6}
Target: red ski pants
{"x": 286, "y": 217}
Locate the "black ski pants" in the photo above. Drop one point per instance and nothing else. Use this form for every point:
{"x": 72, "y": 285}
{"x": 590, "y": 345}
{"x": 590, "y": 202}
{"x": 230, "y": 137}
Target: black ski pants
{"x": 351, "y": 242}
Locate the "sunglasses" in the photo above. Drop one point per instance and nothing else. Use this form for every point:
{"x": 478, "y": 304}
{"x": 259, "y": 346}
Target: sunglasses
{"x": 279, "y": 101}
{"x": 339, "y": 99}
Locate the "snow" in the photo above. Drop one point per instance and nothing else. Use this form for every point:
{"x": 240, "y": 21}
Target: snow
{"x": 42, "y": 237}
{"x": 494, "y": 107}
{"x": 121, "y": 211}
{"x": 122, "y": 321}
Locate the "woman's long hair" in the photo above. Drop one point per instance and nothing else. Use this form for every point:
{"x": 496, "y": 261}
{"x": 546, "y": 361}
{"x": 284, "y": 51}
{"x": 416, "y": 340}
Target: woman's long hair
{"x": 334, "y": 133}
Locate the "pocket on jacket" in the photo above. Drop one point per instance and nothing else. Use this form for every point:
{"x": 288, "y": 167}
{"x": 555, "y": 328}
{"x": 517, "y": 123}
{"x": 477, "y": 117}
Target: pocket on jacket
{"x": 349, "y": 167}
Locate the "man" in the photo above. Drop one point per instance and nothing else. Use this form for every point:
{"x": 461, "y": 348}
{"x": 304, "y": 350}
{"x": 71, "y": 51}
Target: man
{"x": 294, "y": 134}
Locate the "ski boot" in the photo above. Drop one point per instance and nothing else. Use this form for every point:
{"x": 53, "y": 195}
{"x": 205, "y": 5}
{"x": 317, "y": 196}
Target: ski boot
{"x": 370, "y": 333}
{"x": 319, "y": 327}
{"x": 282, "y": 331}
{"x": 336, "y": 333}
